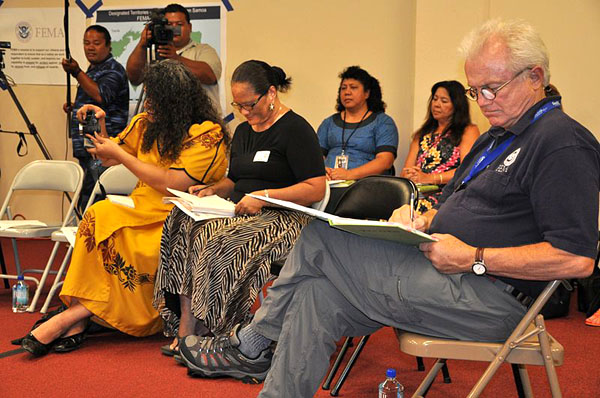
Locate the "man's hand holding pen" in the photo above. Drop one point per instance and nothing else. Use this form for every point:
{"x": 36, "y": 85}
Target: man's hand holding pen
{"x": 404, "y": 215}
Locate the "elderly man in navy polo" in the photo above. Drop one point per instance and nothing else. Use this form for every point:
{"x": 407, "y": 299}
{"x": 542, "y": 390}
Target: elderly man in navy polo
{"x": 506, "y": 222}
{"x": 104, "y": 84}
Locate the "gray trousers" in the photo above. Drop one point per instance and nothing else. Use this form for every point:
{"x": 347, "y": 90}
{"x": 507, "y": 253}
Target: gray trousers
{"x": 336, "y": 284}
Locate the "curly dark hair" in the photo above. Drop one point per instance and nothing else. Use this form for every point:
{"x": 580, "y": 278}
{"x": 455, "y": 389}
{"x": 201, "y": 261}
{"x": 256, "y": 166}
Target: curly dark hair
{"x": 177, "y": 100}
{"x": 374, "y": 102}
{"x": 460, "y": 118}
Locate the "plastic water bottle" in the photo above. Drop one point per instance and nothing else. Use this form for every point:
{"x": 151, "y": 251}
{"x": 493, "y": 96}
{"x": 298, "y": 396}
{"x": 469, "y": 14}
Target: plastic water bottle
{"x": 391, "y": 388}
{"x": 20, "y": 295}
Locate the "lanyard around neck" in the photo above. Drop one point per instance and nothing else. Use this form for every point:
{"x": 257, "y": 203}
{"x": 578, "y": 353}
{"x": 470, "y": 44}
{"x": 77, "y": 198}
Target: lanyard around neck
{"x": 345, "y": 143}
{"x": 486, "y": 158}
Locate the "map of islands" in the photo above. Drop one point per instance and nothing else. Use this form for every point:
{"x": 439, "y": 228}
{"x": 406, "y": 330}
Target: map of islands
{"x": 118, "y": 47}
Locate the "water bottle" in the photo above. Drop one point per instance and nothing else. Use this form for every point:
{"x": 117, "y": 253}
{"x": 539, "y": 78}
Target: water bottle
{"x": 391, "y": 388}
{"x": 20, "y": 295}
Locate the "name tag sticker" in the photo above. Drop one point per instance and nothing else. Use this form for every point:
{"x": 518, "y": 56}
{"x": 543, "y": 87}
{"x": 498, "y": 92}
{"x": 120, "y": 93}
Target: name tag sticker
{"x": 262, "y": 156}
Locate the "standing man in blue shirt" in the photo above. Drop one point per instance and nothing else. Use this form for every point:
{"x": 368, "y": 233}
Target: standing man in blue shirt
{"x": 104, "y": 84}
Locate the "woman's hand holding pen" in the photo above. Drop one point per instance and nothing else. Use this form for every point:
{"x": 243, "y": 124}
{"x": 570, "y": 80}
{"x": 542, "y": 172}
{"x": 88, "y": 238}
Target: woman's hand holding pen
{"x": 202, "y": 190}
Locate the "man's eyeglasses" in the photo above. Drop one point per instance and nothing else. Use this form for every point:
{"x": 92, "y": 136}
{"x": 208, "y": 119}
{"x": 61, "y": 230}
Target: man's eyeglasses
{"x": 247, "y": 107}
{"x": 487, "y": 92}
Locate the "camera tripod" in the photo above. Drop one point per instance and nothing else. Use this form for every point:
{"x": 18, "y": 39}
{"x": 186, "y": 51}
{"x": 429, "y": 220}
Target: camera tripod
{"x": 30, "y": 126}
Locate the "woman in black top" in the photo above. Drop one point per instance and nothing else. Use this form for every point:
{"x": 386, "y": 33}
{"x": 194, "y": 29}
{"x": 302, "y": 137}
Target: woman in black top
{"x": 212, "y": 271}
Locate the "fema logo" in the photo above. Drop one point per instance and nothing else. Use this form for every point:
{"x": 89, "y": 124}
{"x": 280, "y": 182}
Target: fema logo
{"x": 23, "y": 31}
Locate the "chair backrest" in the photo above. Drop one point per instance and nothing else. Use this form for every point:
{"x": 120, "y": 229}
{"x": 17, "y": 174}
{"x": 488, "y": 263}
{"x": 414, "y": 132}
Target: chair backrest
{"x": 47, "y": 175}
{"x": 375, "y": 197}
{"x": 116, "y": 180}
{"x": 50, "y": 175}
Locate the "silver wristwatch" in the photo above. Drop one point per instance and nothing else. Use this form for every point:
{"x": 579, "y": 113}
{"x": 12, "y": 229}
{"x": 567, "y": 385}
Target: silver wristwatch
{"x": 478, "y": 266}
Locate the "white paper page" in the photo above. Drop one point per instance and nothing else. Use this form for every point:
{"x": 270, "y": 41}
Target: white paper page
{"x": 70, "y": 233}
{"x": 209, "y": 204}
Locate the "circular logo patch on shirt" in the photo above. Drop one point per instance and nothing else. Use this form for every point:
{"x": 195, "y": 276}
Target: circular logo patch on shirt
{"x": 510, "y": 159}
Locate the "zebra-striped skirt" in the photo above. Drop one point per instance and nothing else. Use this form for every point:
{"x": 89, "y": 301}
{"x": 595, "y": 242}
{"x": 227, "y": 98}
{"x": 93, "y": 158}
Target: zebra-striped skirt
{"x": 221, "y": 264}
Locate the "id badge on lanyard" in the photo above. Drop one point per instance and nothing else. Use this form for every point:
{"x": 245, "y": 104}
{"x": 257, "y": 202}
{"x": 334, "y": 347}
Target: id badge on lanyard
{"x": 341, "y": 161}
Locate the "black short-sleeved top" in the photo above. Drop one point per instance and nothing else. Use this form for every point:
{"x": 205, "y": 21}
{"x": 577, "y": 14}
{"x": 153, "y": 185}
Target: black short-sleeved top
{"x": 542, "y": 188}
{"x": 286, "y": 153}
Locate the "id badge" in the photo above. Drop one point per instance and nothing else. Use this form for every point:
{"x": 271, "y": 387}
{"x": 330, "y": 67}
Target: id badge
{"x": 341, "y": 162}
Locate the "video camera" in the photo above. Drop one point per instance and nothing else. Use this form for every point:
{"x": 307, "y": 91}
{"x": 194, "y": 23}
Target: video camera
{"x": 3, "y": 45}
{"x": 89, "y": 125}
{"x": 162, "y": 32}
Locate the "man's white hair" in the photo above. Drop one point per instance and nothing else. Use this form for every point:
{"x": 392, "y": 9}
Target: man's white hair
{"x": 524, "y": 44}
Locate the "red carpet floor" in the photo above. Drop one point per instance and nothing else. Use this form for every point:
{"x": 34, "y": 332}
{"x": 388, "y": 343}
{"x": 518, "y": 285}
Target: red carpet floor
{"x": 116, "y": 365}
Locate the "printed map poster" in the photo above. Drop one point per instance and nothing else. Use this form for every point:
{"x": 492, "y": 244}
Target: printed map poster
{"x": 126, "y": 24}
{"x": 37, "y": 40}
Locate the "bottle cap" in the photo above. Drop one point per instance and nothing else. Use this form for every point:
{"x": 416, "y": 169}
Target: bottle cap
{"x": 391, "y": 373}
{"x": 20, "y": 278}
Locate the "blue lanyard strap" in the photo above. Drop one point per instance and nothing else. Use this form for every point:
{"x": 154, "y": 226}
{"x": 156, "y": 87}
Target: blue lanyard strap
{"x": 486, "y": 158}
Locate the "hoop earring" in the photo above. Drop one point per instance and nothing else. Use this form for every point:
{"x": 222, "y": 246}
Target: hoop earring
{"x": 271, "y": 106}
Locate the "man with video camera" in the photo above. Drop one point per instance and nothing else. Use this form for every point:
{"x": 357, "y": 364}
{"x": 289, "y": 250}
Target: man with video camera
{"x": 201, "y": 59}
{"x": 104, "y": 84}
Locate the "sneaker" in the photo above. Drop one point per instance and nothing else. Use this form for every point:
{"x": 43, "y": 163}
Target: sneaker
{"x": 594, "y": 320}
{"x": 219, "y": 356}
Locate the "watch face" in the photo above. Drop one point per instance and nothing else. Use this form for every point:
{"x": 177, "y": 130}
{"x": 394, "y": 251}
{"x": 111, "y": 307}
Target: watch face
{"x": 479, "y": 268}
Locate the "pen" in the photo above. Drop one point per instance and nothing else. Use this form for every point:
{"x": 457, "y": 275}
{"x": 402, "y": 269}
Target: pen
{"x": 195, "y": 191}
{"x": 412, "y": 210}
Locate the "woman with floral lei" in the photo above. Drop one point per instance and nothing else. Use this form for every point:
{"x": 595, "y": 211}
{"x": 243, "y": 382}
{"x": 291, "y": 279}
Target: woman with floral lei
{"x": 444, "y": 139}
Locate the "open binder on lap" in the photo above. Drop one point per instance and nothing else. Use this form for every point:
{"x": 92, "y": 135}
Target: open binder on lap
{"x": 385, "y": 230}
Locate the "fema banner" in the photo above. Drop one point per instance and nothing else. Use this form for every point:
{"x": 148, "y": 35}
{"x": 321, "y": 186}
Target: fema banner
{"x": 37, "y": 42}
{"x": 126, "y": 24}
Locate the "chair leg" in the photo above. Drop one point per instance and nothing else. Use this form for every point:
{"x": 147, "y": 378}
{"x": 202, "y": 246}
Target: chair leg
{"x": 428, "y": 380}
{"x": 3, "y": 265}
{"x": 336, "y": 364}
{"x": 57, "y": 283}
{"x": 420, "y": 364}
{"x": 446, "y": 374}
{"x": 547, "y": 354}
{"x": 522, "y": 381}
{"x": 38, "y": 291}
{"x": 16, "y": 255}
{"x": 349, "y": 365}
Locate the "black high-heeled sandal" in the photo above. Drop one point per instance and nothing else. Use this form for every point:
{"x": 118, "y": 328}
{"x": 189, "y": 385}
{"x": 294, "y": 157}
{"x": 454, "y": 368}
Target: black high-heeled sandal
{"x": 32, "y": 345}
{"x": 70, "y": 343}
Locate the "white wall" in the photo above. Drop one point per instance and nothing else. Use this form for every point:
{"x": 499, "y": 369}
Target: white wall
{"x": 407, "y": 44}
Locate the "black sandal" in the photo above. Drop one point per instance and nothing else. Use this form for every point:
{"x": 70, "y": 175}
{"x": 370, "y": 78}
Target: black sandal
{"x": 37, "y": 323}
{"x": 70, "y": 343}
{"x": 168, "y": 351}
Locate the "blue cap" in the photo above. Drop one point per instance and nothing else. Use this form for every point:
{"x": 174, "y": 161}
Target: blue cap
{"x": 391, "y": 373}
{"x": 20, "y": 278}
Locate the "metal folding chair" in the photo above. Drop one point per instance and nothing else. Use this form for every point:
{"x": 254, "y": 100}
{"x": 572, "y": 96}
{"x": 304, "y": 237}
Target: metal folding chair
{"x": 529, "y": 344}
{"x": 45, "y": 175}
{"x": 116, "y": 180}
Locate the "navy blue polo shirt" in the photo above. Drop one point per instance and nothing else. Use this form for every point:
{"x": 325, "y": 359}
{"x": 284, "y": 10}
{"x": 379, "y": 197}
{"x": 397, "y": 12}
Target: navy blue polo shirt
{"x": 114, "y": 90}
{"x": 542, "y": 188}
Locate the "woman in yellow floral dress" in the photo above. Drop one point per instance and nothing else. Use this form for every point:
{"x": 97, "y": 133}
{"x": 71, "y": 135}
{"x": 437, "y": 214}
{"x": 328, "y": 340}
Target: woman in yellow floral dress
{"x": 446, "y": 136}
{"x": 177, "y": 143}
